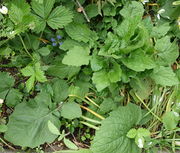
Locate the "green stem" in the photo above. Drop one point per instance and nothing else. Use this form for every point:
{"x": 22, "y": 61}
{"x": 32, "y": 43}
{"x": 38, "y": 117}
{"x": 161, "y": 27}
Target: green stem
{"x": 91, "y": 120}
{"x": 148, "y": 108}
{"x": 90, "y": 125}
{"x": 25, "y": 48}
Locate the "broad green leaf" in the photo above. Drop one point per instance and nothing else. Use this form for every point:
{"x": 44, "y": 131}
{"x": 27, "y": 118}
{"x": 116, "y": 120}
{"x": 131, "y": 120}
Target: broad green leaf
{"x": 13, "y": 98}
{"x": 75, "y": 151}
{"x": 142, "y": 132}
{"x": 96, "y": 63}
{"x": 30, "y": 83}
{"x": 79, "y": 32}
{"x": 60, "y": 90}
{"x": 101, "y": 79}
{"x": 3, "y": 128}
{"x": 71, "y": 110}
{"x": 44, "y": 51}
{"x": 77, "y": 56}
{"x": 132, "y": 133}
{"x": 53, "y": 129}
{"x": 92, "y": 10}
{"x": 42, "y": 9}
{"x": 139, "y": 61}
{"x": 107, "y": 105}
{"x": 115, "y": 73}
{"x": 63, "y": 71}
{"x": 6, "y": 83}
{"x": 70, "y": 144}
{"x": 39, "y": 74}
{"x": 59, "y": 17}
{"x": 18, "y": 9}
{"x": 160, "y": 30}
{"x": 164, "y": 76}
{"x": 141, "y": 86}
{"x": 111, "y": 138}
{"x": 168, "y": 52}
{"x": 170, "y": 120}
{"x": 28, "y": 125}
{"x": 132, "y": 10}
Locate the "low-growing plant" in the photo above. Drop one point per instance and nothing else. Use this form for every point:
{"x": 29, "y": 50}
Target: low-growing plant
{"x": 106, "y": 65}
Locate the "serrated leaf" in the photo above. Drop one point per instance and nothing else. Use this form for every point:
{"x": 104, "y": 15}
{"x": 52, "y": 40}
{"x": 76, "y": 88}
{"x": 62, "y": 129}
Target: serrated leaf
{"x": 60, "y": 90}
{"x": 6, "y": 83}
{"x": 63, "y": 71}
{"x": 164, "y": 76}
{"x": 70, "y": 144}
{"x": 71, "y": 110}
{"x": 53, "y": 129}
{"x": 30, "y": 83}
{"x": 168, "y": 52}
{"x": 42, "y": 9}
{"x": 112, "y": 134}
{"x": 77, "y": 56}
{"x": 101, "y": 80}
{"x": 142, "y": 132}
{"x": 132, "y": 133}
{"x": 59, "y": 17}
{"x": 79, "y": 32}
{"x": 13, "y": 98}
{"x": 25, "y": 125}
{"x": 139, "y": 61}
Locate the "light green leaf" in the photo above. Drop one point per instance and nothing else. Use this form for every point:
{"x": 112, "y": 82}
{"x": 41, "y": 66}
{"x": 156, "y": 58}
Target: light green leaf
{"x": 70, "y": 144}
{"x": 60, "y": 90}
{"x": 44, "y": 51}
{"x": 79, "y": 32}
{"x": 160, "y": 30}
{"x": 53, "y": 129}
{"x": 30, "y": 83}
{"x": 164, "y": 76}
{"x": 42, "y": 9}
{"x": 3, "y": 128}
{"x": 39, "y": 74}
{"x": 101, "y": 79}
{"x": 111, "y": 138}
{"x": 71, "y": 110}
{"x": 167, "y": 52}
{"x": 13, "y": 98}
{"x": 6, "y": 83}
{"x": 142, "y": 132}
{"x": 139, "y": 61}
{"x": 170, "y": 120}
{"x": 63, "y": 71}
{"x": 77, "y": 56}
{"x": 108, "y": 105}
{"x": 115, "y": 73}
{"x": 132, "y": 133}
{"x": 96, "y": 63}
{"x": 75, "y": 151}
{"x": 28, "y": 125}
{"x": 92, "y": 10}
{"x": 59, "y": 17}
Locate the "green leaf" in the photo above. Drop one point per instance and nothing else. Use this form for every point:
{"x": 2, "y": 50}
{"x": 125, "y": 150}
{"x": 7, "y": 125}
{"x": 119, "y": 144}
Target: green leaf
{"x": 77, "y": 56}
{"x": 71, "y": 110}
{"x": 44, "y": 51}
{"x": 3, "y": 128}
{"x": 101, "y": 80}
{"x": 70, "y": 144}
{"x": 160, "y": 30}
{"x": 170, "y": 120}
{"x": 75, "y": 151}
{"x": 53, "y": 129}
{"x": 59, "y": 17}
{"x": 6, "y": 84}
{"x": 96, "y": 63}
{"x": 139, "y": 61}
{"x": 63, "y": 71}
{"x": 112, "y": 134}
{"x": 132, "y": 133}
{"x": 42, "y": 9}
{"x": 168, "y": 52}
{"x": 35, "y": 73}
{"x": 142, "y": 86}
{"x": 92, "y": 10}
{"x": 115, "y": 73}
{"x": 107, "y": 105}
{"x": 13, "y": 98}
{"x": 79, "y": 32}
{"x": 18, "y": 9}
{"x": 28, "y": 125}
{"x": 60, "y": 90}
{"x": 164, "y": 76}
